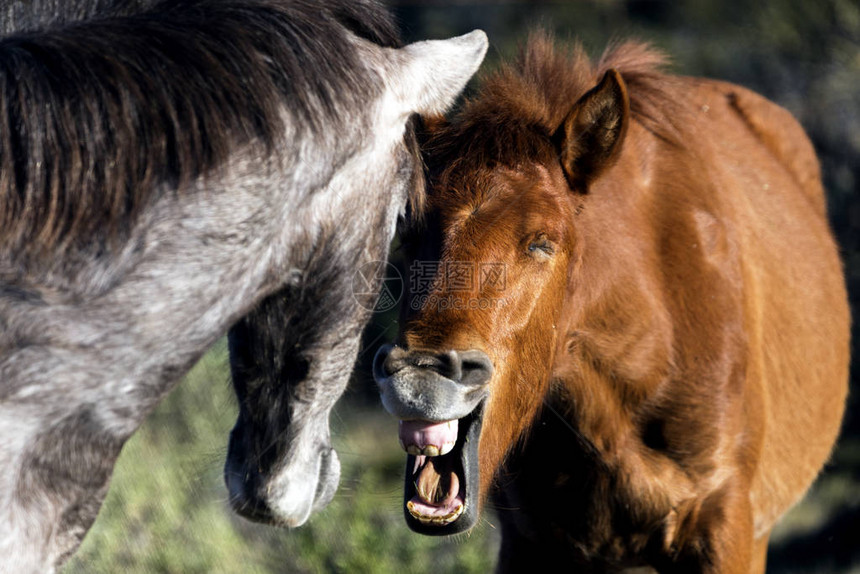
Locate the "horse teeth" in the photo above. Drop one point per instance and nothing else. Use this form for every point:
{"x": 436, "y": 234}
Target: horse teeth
{"x": 428, "y": 450}
{"x": 435, "y": 520}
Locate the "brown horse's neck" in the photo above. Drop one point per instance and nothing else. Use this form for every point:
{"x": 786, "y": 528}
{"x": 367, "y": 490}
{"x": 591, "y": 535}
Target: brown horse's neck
{"x": 616, "y": 346}
{"x": 613, "y": 355}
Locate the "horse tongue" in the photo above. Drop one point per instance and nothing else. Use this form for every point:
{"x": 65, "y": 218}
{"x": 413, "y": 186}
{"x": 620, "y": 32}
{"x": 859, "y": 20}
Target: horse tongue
{"x": 437, "y": 483}
{"x": 423, "y": 434}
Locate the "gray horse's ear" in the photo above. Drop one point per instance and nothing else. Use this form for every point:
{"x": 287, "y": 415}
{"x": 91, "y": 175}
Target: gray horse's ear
{"x": 432, "y": 73}
{"x": 590, "y": 137}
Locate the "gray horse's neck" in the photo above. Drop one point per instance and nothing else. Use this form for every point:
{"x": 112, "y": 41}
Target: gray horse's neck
{"x": 79, "y": 374}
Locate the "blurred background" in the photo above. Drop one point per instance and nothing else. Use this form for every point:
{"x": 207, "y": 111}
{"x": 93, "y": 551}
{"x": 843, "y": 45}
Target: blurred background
{"x": 167, "y": 509}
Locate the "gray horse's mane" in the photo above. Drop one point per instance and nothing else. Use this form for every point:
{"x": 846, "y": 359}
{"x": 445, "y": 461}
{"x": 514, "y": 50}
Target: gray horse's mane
{"x": 32, "y": 15}
{"x": 98, "y": 114}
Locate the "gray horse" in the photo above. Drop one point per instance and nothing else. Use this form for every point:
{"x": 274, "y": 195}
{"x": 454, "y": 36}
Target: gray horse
{"x": 164, "y": 172}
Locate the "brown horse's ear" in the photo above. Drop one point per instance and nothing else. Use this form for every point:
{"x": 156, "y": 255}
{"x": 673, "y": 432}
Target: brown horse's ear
{"x": 590, "y": 137}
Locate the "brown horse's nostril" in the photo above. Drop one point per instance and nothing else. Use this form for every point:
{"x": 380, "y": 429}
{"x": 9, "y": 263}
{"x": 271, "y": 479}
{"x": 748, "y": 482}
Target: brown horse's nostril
{"x": 476, "y": 366}
{"x": 387, "y": 361}
{"x": 472, "y": 368}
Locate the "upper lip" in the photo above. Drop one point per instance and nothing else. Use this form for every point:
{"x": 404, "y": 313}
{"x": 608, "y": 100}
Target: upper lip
{"x": 413, "y": 391}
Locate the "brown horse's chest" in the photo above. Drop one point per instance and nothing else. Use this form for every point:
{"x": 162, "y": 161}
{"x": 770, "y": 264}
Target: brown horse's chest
{"x": 557, "y": 495}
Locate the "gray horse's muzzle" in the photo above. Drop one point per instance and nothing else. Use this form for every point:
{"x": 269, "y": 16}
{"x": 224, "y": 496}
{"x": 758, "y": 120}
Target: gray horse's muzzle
{"x": 284, "y": 491}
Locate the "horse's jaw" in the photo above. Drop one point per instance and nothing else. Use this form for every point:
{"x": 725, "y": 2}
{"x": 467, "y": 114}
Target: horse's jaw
{"x": 441, "y": 494}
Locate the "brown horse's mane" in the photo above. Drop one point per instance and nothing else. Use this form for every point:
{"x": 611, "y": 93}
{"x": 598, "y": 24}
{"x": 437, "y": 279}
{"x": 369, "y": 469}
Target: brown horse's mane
{"x": 518, "y": 107}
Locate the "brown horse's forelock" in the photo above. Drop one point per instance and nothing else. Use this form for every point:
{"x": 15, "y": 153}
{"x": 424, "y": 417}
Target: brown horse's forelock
{"x": 96, "y": 117}
{"x": 519, "y": 107}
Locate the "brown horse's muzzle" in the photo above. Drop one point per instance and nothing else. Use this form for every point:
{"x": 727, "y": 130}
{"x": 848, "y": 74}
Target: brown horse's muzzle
{"x": 439, "y": 399}
{"x": 438, "y": 387}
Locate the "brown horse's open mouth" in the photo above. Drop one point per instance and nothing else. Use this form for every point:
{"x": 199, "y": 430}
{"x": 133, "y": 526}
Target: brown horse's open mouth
{"x": 441, "y": 491}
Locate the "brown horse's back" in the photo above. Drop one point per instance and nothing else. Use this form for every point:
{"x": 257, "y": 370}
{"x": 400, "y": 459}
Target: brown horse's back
{"x": 795, "y": 303}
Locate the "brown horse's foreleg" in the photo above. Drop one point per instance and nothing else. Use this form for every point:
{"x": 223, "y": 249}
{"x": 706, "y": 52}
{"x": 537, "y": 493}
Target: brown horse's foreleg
{"x": 721, "y": 541}
{"x": 759, "y": 554}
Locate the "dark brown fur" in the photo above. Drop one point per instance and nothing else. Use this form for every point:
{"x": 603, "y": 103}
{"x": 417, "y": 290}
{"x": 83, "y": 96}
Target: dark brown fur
{"x": 671, "y": 345}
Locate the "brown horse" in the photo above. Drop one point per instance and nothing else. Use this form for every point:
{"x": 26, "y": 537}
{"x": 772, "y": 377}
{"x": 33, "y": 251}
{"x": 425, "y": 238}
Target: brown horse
{"x": 628, "y": 321}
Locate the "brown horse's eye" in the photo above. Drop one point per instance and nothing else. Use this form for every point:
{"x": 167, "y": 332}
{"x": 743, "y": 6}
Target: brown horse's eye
{"x": 541, "y": 245}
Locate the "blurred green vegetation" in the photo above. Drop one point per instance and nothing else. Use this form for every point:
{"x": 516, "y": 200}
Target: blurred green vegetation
{"x": 167, "y": 510}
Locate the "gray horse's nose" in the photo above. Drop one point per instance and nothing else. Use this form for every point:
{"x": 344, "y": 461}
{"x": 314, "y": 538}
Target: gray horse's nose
{"x": 469, "y": 368}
